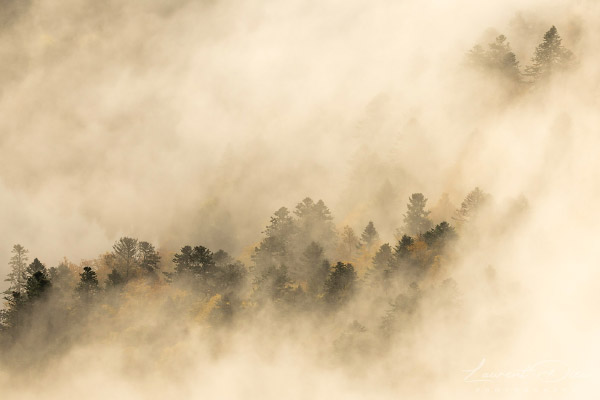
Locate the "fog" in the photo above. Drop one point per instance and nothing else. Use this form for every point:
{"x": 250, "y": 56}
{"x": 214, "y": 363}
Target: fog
{"x": 191, "y": 123}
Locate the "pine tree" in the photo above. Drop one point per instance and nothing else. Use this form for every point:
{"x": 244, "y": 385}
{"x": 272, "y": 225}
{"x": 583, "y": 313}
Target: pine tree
{"x": 149, "y": 259}
{"x": 499, "y": 59}
{"x": 369, "y": 235}
{"x": 126, "y": 253}
{"x": 550, "y": 57}
{"x": 416, "y": 219}
{"x": 17, "y": 263}
{"x": 472, "y": 205}
{"x": 88, "y": 285}
{"x": 314, "y": 222}
{"x": 37, "y": 285}
{"x": 340, "y": 284}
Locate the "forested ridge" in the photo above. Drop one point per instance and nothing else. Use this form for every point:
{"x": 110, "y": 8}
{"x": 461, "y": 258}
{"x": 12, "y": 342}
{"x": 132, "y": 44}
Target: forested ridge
{"x": 303, "y": 268}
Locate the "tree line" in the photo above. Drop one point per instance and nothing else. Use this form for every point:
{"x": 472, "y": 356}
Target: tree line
{"x": 302, "y": 265}
{"x": 550, "y": 57}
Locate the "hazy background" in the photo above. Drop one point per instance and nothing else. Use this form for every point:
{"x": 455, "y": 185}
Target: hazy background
{"x": 183, "y": 122}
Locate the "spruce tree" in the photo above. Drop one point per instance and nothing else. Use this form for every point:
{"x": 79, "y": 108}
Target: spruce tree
{"x": 550, "y": 57}
{"x": 16, "y": 276}
{"x": 369, "y": 235}
{"x": 416, "y": 220}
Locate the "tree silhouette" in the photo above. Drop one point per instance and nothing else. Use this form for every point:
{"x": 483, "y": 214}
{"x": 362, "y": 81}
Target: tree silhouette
{"x": 550, "y": 57}
{"x": 126, "y": 251}
{"x": 416, "y": 219}
{"x": 88, "y": 285}
{"x": 472, "y": 205}
{"x": 17, "y": 263}
{"x": 498, "y": 58}
{"x": 149, "y": 259}
{"x": 369, "y": 235}
{"x": 340, "y": 284}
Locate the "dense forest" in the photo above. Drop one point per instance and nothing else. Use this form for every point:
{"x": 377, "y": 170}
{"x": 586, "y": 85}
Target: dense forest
{"x": 304, "y": 268}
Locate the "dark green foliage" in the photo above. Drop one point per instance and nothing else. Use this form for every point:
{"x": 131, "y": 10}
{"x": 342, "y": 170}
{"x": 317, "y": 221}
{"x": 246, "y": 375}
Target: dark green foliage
{"x": 196, "y": 262}
{"x": 215, "y": 287}
{"x": 402, "y": 249}
{"x": 369, "y": 235}
{"x": 34, "y": 267}
{"x": 37, "y": 285}
{"x": 416, "y": 219}
{"x": 550, "y": 57}
{"x": 149, "y": 259}
{"x": 88, "y": 285}
{"x": 340, "y": 284}
{"x": 440, "y": 235}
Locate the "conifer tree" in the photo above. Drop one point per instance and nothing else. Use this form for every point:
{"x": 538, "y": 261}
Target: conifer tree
{"x": 416, "y": 220}
{"x": 369, "y": 235}
{"x": 16, "y": 276}
{"x": 550, "y": 57}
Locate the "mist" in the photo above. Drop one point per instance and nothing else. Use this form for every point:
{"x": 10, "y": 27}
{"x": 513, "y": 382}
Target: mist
{"x": 182, "y": 123}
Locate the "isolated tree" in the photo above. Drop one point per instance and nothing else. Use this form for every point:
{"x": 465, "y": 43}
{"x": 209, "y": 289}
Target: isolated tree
{"x": 16, "y": 276}
{"x": 126, "y": 252}
{"x": 88, "y": 285}
{"x": 340, "y": 284}
{"x": 416, "y": 219}
{"x": 550, "y": 57}
{"x": 369, "y": 235}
